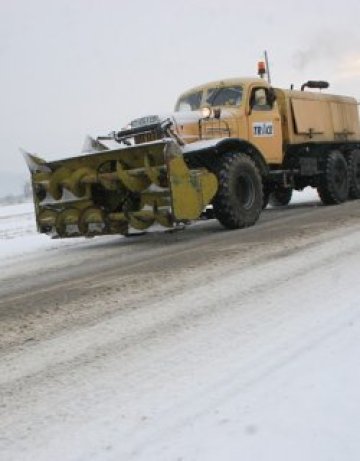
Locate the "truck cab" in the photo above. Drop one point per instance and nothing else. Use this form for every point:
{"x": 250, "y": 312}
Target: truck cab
{"x": 236, "y": 108}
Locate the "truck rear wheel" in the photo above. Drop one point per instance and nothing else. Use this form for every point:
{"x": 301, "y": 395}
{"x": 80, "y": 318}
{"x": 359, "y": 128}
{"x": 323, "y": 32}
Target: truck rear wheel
{"x": 239, "y": 199}
{"x": 334, "y": 185}
{"x": 281, "y": 196}
{"x": 354, "y": 173}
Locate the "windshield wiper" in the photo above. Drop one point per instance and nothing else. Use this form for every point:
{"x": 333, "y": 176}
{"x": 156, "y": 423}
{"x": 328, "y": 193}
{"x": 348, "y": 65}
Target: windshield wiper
{"x": 215, "y": 94}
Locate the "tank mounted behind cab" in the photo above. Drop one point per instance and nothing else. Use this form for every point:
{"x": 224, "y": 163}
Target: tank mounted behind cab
{"x": 229, "y": 148}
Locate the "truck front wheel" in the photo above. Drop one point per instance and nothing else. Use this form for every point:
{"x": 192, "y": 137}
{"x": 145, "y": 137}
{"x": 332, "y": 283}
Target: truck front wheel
{"x": 334, "y": 185}
{"x": 239, "y": 199}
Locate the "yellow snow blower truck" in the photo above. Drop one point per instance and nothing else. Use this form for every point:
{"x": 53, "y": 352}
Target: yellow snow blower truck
{"x": 229, "y": 148}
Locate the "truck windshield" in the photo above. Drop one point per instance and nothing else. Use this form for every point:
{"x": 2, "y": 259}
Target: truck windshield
{"x": 224, "y": 96}
{"x": 189, "y": 102}
{"x": 217, "y": 96}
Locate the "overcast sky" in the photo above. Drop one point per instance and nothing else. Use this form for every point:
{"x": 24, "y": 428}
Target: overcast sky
{"x": 72, "y": 67}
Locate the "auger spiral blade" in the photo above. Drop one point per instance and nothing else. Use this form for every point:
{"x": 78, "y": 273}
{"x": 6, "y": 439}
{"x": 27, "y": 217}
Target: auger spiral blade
{"x": 112, "y": 190}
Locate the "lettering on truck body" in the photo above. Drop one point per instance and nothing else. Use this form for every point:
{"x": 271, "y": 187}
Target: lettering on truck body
{"x": 262, "y": 129}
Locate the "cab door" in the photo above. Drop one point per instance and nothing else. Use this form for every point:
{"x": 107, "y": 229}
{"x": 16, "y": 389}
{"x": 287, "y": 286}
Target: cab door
{"x": 264, "y": 124}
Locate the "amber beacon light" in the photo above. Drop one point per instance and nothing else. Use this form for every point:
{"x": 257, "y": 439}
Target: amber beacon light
{"x": 261, "y": 69}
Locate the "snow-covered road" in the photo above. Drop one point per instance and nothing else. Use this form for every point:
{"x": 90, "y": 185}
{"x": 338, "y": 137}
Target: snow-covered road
{"x": 200, "y": 345}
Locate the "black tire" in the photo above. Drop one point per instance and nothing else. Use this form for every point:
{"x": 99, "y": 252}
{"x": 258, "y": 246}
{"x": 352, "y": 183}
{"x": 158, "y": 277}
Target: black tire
{"x": 239, "y": 199}
{"x": 281, "y": 196}
{"x": 334, "y": 185}
{"x": 354, "y": 174}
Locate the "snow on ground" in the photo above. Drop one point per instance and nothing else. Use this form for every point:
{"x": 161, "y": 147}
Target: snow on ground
{"x": 250, "y": 357}
{"x": 255, "y": 362}
{"x": 309, "y": 194}
{"x": 18, "y": 234}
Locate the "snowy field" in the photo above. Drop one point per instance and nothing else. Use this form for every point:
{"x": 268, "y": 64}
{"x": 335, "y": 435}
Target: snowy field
{"x": 202, "y": 346}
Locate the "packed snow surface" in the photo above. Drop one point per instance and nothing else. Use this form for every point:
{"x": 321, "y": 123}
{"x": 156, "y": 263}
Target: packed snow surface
{"x": 226, "y": 346}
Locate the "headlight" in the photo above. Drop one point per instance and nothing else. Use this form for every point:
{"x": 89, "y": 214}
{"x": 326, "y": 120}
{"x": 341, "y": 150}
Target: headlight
{"x": 206, "y": 112}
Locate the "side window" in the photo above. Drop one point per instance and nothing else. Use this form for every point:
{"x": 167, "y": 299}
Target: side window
{"x": 260, "y": 99}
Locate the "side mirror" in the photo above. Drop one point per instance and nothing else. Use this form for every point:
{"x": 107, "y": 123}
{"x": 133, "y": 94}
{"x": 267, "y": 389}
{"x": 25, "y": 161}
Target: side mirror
{"x": 271, "y": 96}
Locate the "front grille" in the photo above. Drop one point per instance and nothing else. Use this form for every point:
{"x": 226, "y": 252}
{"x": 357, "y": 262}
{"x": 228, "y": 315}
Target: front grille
{"x": 148, "y": 136}
{"x": 141, "y": 134}
{"x": 214, "y": 128}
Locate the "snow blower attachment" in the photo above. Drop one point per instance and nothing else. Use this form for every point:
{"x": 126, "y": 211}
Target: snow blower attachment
{"x": 112, "y": 190}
